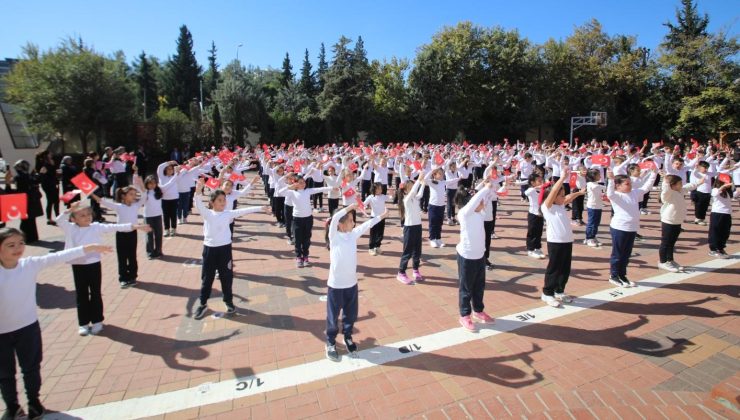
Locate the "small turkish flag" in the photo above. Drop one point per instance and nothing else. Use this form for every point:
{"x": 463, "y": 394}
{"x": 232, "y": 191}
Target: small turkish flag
{"x": 236, "y": 177}
{"x": 13, "y": 207}
{"x": 353, "y": 167}
{"x": 573, "y": 179}
{"x": 502, "y": 192}
{"x": 360, "y": 204}
{"x": 647, "y": 165}
{"x": 84, "y": 183}
{"x": 417, "y": 165}
{"x": 438, "y": 159}
{"x": 350, "y": 192}
{"x": 725, "y": 178}
{"x": 602, "y": 160}
{"x": 297, "y": 165}
{"x": 70, "y": 195}
{"x": 213, "y": 183}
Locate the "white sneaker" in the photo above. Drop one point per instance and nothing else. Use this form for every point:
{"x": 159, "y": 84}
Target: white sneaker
{"x": 440, "y": 244}
{"x": 714, "y": 254}
{"x": 96, "y": 328}
{"x": 450, "y": 222}
{"x": 494, "y": 236}
{"x": 372, "y": 251}
{"x": 563, "y": 297}
{"x": 668, "y": 267}
{"x": 532, "y": 254}
{"x": 433, "y": 243}
{"x": 84, "y": 330}
{"x": 378, "y": 251}
{"x": 592, "y": 243}
{"x": 550, "y": 300}
{"x": 678, "y": 266}
{"x": 540, "y": 255}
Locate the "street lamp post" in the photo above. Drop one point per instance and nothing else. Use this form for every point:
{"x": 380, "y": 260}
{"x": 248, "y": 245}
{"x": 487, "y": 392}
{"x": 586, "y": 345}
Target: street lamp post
{"x": 237, "y": 51}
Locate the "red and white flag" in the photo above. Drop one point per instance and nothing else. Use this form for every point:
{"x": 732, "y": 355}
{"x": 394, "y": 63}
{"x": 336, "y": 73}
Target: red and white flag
{"x": 602, "y": 160}
{"x": 572, "y": 181}
{"x": 350, "y": 192}
{"x": 13, "y": 207}
{"x": 648, "y": 165}
{"x": 213, "y": 183}
{"x": 85, "y": 184}
{"x": 70, "y": 195}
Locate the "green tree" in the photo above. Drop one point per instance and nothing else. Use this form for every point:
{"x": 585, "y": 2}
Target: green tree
{"x": 211, "y": 76}
{"x": 391, "y": 99}
{"x": 287, "y": 75}
{"x": 183, "y": 73}
{"x": 147, "y": 91}
{"x": 217, "y": 125}
{"x": 71, "y": 89}
{"x": 241, "y": 101}
{"x": 307, "y": 83}
{"x": 173, "y": 128}
{"x": 322, "y": 68}
{"x": 698, "y": 76}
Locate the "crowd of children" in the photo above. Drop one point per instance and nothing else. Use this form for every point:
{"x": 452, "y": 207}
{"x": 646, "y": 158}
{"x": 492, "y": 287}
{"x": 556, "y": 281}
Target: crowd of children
{"x": 460, "y": 183}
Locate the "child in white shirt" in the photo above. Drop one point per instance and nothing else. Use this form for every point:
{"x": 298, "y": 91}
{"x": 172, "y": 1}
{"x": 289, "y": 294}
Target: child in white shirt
{"x": 342, "y": 294}
{"x": 217, "y": 253}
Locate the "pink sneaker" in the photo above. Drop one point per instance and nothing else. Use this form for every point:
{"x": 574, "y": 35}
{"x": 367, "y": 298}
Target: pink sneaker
{"x": 306, "y": 263}
{"x": 467, "y": 323}
{"x": 403, "y": 278}
{"x": 483, "y": 317}
{"x": 418, "y": 276}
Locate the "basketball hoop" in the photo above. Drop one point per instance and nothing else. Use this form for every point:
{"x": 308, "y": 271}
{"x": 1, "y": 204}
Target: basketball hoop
{"x": 597, "y": 118}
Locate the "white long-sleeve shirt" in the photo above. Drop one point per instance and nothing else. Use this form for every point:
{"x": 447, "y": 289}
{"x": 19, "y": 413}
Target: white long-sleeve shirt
{"x": 411, "y": 208}
{"x": 216, "y": 230}
{"x": 594, "y": 191}
{"x": 152, "y": 205}
{"x": 343, "y": 251}
{"x": 472, "y": 243}
{"x": 124, "y": 212}
{"x": 75, "y": 236}
{"x": 168, "y": 184}
{"x": 18, "y": 288}
{"x": 302, "y": 199}
{"x": 376, "y": 204}
{"x": 673, "y": 210}
{"x": 437, "y": 189}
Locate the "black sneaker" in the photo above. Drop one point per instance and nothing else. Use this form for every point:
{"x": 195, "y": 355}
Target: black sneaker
{"x": 351, "y": 346}
{"x": 124, "y": 284}
{"x": 13, "y": 414}
{"x": 489, "y": 265}
{"x": 627, "y": 282}
{"x": 200, "y": 312}
{"x": 36, "y": 410}
{"x": 150, "y": 256}
{"x": 230, "y": 309}
{"x": 331, "y": 353}
{"x": 132, "y": 283}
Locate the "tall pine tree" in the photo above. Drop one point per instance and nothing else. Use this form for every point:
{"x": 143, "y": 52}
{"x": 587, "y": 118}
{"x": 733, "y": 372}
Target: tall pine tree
{"x": 184, "y": 73}
{"x": 211, "y": 76}
{"x": 286, "y": 77}
{"x": 147, "y": 87}
{"x": 322, "y": 68}
{"x": 307, "y": 82}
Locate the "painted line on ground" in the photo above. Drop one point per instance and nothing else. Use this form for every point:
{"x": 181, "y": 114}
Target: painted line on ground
{"x": 211, "y": 393}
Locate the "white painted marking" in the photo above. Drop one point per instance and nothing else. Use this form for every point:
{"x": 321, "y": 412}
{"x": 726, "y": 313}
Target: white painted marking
{"x": 211, "y": 393}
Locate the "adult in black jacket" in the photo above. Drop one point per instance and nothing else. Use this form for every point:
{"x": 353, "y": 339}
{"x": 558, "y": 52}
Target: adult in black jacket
{"x": 28, "y": 182}
{"x": 47, "y": 172}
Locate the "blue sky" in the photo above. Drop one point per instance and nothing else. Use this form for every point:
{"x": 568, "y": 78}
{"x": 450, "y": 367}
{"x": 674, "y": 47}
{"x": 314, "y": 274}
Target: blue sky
{"x": 268, "y": 29}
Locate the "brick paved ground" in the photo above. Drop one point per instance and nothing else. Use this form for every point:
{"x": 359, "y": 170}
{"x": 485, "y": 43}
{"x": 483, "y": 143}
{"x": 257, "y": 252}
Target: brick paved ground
{"x": 668, "y": 353}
